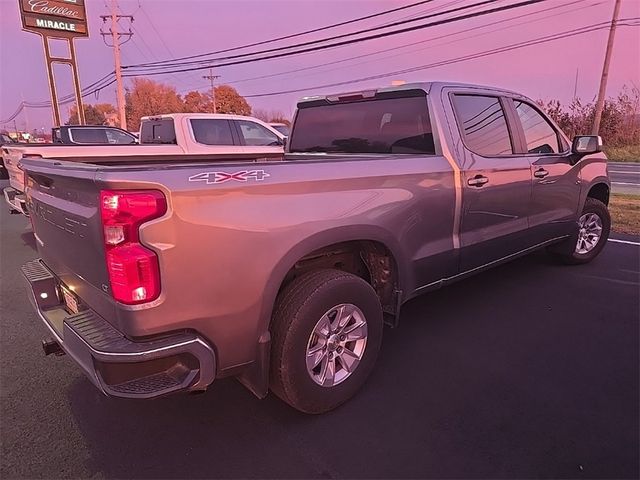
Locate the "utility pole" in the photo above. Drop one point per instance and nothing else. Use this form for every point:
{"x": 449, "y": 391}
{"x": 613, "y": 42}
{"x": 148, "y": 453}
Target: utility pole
{"x": 605, "y": 71}
{"x": 116, "y": 35}
{"x": 212, "y": 77}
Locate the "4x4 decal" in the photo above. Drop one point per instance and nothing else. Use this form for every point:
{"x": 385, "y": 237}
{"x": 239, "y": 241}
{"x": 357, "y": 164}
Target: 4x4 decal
{"x": 221, "y": 177}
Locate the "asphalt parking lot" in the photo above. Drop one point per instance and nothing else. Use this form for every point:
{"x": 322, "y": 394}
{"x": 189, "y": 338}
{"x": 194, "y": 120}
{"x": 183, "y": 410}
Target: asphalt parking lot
{"x": 530, "y": 370}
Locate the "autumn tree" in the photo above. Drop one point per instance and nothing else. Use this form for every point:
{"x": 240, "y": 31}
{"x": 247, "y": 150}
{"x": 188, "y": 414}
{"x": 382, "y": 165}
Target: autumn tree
{"x": 93, "y": 114}
{"x": 146, "y": 97}
{"x": 196, "y": 102}
{"x": 228, "y": 100}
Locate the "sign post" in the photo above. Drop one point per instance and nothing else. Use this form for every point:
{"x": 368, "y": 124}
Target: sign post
{"x": 57, "y": 19}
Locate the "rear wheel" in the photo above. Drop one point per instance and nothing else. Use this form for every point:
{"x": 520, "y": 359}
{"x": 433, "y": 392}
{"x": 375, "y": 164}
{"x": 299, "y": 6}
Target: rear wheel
{"x": 326, "y": 334}
{"x": 594, "y": 225}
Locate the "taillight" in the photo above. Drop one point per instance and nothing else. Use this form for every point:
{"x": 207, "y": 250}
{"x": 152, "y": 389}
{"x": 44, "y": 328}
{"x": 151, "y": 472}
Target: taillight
{"x": 133, "y": 269}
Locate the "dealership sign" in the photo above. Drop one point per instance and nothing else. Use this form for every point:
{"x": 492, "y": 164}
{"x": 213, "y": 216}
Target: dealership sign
{"x": 55, "y": 18}
{"x": 63, "y": 20}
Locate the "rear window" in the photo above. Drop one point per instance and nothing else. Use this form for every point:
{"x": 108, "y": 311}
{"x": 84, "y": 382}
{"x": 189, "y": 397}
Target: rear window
{"x": 212, "y": 132}
{"x": 88, "y": 135}
{"x": 383, "y": 125}
{"x": 158, "y": 131}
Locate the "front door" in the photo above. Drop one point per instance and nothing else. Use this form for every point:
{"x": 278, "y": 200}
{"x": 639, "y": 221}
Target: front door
{"x": 556, "y": 183}
{"x": 496, "y": 183}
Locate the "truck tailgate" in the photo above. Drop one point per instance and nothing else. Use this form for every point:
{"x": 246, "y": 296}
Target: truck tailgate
{"x": 63, "y": 201}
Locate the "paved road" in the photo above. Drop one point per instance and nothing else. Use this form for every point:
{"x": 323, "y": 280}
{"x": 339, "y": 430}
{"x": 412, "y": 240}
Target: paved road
{"x": 530, "y": 370}
{"x": 625, "y": 177}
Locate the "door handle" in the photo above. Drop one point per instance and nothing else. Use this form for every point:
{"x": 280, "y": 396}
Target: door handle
{"x": 478, "y": 181}
{"x": 541, "y": 173}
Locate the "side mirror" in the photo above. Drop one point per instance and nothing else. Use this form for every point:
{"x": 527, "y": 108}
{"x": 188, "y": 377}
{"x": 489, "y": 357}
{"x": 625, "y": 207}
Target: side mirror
{"x": 586, "y": 145}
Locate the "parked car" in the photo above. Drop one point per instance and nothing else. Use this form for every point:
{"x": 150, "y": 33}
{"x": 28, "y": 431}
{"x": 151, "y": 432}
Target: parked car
{"x": 160, "y": 278}
{"x": 171, "y": 137}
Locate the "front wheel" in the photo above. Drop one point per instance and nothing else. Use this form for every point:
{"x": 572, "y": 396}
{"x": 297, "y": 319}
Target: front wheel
{"x": 326, "y": 334}
{"x": 594, "y": 226}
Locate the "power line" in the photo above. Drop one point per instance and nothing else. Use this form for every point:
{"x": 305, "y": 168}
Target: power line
{"x": 299, "y": 34}
{"x": 395, "y": 49}
{"x": 173, "y": 63}
{"x": 358, "y": 40}
{"x": 400, "y": 47}
{"x": 96, "y": 88}
{"x": 549, "y": 38}
{"x": 108, "y": 79}
{"x": 159, "y": 35}
{"x": 625, "y": 22}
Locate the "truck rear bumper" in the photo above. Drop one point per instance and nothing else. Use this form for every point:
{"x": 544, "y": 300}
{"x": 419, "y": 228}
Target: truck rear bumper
{"x": 16, "y": 200}
{"x": 116, "y": 365}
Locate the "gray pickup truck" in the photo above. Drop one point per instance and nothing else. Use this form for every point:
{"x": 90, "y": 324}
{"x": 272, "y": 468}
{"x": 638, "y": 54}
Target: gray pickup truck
{"x": 160, "y": 278}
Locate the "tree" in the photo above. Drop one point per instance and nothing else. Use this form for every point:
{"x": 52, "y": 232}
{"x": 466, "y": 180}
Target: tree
{"x": 197, "y": 102}
{"x": 618, "y": 126}
{"x": 146, "y": 97}
{"x": 93, "y": 114}
{"x": 105, "y": 108}
{"x": 228, "y": 100}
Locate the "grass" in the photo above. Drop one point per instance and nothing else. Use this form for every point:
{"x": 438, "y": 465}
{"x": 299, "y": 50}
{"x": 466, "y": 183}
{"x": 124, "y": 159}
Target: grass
{"x": 625, "y": 213}
{"x": 629, "y": 153}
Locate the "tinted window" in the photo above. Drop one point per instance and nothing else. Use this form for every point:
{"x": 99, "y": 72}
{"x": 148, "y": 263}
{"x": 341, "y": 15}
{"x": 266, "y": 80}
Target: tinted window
{"x": 212, "y": 132}
{"x": 88, "y": 135}
{"x": 158, "y": 131}
{"x": 391, "y": 125}
{"x": 256, "y": 135}
{"x": 482, "y": 121}
{"x": 540, "y": 135}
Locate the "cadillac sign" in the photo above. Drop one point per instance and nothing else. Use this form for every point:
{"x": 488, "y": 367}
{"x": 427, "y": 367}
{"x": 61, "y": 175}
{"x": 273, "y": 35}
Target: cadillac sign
{"x": 55, "y": 18}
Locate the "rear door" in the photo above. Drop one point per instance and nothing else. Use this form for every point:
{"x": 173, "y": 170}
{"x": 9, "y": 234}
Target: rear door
{"x": 214, "y": 135}
{"x": 556, "y": 184}
{"x": 496, "y": 182}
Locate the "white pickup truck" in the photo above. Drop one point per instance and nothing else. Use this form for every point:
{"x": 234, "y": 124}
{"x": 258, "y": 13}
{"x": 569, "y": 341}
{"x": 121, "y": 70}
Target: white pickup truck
{"x": 184, "y": 136}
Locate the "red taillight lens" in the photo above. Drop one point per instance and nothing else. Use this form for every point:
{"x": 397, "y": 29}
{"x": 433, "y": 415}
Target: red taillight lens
{"x": 133, "y": 269}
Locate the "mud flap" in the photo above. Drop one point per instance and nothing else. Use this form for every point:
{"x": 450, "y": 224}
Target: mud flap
{"x": 256, "y": 377}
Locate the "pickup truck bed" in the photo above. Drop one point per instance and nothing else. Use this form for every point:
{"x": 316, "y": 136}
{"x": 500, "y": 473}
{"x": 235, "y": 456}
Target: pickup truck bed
{"x": 281, "y": 272}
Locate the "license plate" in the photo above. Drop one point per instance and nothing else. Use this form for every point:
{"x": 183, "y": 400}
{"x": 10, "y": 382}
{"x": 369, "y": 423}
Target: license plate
{"x": 69, "y": 300}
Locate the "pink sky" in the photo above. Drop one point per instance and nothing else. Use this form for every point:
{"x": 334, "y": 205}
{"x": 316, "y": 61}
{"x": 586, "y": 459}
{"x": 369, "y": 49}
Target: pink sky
{"x": 187, "y": 27}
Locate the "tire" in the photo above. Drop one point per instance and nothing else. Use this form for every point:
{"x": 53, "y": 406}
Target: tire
{"x": 306, "y": 305}
{"x": 584, "y": 250}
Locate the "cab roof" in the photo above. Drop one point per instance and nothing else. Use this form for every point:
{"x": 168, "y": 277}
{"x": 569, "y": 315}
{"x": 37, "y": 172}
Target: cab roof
{"x": 427, "y": 87}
